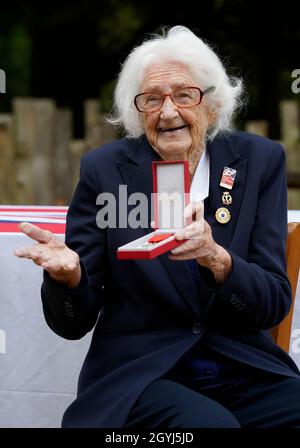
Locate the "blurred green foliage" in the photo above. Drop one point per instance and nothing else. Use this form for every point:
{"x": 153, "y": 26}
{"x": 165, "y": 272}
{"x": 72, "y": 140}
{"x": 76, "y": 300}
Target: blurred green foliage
{"x": 118, "y": 27}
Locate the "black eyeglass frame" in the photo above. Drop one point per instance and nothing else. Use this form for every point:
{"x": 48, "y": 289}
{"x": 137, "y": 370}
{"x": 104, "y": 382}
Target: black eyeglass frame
{"x": 202, "y": 93}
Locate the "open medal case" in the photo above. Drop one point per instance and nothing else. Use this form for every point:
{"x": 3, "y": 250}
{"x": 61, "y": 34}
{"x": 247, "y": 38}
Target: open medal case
{"x": 171, "y": 187}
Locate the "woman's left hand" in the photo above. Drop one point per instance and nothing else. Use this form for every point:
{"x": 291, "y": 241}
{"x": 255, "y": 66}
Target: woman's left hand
{"x": 200, "y": 244}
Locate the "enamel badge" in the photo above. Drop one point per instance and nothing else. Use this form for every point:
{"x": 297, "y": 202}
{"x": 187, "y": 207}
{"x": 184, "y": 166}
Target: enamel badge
{"x": 227, "y": 179}
{"x": 226, "y": 198}
{"x": 223, "y": 215}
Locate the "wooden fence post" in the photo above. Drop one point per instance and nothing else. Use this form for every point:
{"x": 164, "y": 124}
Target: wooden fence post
{"x": 97, "y": 130}
{"x": 61, "y": 157}
{"x": 290, "y": 137}
{"x": 7, "y": 161}
{"x": 35, "y": 139}
{"x": 77, "y": 148}
{"x": 259, "y": 127}
{"x": 289, "y": 120}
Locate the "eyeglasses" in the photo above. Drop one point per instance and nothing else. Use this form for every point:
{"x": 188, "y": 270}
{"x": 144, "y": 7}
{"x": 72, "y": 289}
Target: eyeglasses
{"x": 185, "y": 97}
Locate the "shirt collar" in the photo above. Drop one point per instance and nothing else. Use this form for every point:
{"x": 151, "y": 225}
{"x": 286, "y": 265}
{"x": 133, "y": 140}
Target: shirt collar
{"x": 200, "y": 183}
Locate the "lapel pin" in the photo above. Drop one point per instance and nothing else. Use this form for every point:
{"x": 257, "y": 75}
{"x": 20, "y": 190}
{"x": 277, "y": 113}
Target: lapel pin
{"x": 227, "y": 179}
{"x": 223, "y": 215}
{"x": 226, "y": 198}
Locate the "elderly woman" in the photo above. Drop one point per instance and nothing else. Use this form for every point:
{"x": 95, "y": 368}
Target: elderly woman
{"x": 181, "y": 340}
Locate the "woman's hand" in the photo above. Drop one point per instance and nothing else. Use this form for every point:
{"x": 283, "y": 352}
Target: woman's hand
{"x": 200, "y": 245}
{"x": 52, "y": 254}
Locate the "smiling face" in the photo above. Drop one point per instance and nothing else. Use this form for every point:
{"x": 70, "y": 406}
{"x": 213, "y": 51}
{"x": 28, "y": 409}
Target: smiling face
{"x": 175, "y": 132}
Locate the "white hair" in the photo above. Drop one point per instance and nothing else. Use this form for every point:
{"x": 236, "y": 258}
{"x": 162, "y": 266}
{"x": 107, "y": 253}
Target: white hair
{"x": 178, "y": 44}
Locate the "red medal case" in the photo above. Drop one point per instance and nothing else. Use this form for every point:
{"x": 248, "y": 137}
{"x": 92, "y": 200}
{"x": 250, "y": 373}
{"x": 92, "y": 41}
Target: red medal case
{"x": 170, "y": 179}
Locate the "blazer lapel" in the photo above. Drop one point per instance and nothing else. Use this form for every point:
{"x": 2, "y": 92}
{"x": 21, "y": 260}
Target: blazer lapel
{"x": 221, "y": 155}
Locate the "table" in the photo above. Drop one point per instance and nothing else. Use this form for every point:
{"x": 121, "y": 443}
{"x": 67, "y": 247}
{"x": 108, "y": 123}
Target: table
{"x": 39, "y": 369}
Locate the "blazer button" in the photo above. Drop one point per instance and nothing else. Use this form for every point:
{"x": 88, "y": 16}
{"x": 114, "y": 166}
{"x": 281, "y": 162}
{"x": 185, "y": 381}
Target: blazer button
{"x": 197, "y": 328}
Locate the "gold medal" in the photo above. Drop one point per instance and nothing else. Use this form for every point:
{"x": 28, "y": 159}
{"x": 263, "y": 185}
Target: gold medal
{"x": 222, "y": 215}
{"x": 226, "y": 198}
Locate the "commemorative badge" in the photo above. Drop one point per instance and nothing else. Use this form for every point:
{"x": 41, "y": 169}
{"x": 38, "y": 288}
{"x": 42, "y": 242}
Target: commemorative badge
{"x": 228, "y": 177}
{"x": 226, "y": 198}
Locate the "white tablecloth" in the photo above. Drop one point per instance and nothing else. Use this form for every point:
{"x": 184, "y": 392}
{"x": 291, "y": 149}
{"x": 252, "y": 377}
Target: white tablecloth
{"x": 39, "y": 370}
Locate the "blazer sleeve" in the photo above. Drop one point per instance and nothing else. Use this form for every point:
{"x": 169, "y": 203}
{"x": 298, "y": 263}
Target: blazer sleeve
{"x": 258, "y": 289}
{"x": 72, "y": 312}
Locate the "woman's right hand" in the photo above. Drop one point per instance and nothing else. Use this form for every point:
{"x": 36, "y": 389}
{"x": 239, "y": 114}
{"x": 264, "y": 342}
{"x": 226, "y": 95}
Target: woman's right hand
{"x": 52, "y": 254}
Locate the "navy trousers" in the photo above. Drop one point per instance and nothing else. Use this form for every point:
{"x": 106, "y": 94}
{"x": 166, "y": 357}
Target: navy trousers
{"x": 261, "y": 400}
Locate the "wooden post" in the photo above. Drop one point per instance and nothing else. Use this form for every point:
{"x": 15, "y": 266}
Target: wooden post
{"x": 77, "y": 148}
{"x": 290, "y": 136}
{"x": 97, "y": 130}
{"x": 259, "y": 127}
{"x": 109, "y": 132}
{"x": 61, "y": 157}
{"x": 35, "y": 139}
{"x": 290, "y": 133}
{"x": 7, "y": 161}
{"x": 289, "y": 120}
{"x": 92, "y": 123}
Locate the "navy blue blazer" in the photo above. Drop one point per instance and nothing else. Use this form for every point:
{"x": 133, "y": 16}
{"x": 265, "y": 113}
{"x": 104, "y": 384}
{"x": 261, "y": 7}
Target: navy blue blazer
{"x": 147, "y": 314}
